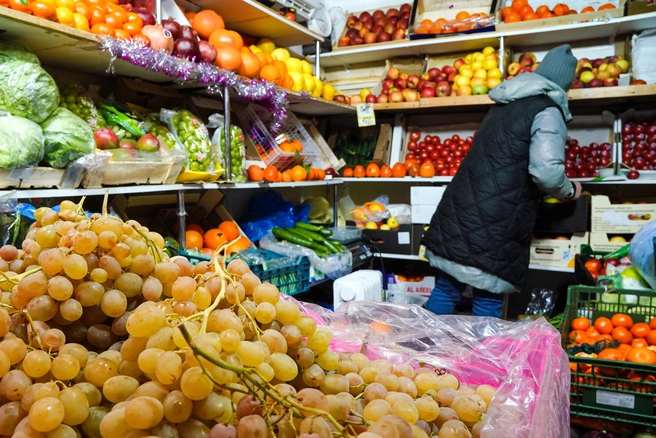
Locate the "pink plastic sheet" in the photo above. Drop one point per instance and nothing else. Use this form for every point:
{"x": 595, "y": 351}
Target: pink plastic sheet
{"x": 523, "y": 360}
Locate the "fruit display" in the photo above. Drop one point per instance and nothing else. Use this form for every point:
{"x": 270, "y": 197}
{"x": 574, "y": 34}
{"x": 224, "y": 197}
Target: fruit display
{"x": 297, "y": 173}
{"x": 315, "y": 237}
{"x": 354, "y": 149}
{"x": 74, "y": 98}
{"x": 376, "y": 215}
{"x": 585, "y": 161}
{"x": 463, "y": 22}
{"x": 600, "y": 72}
{"x": 639, "y": 147}
{"x": 206, "y": 242}
{"x": 237, "y": 151}
{"x": 377, "y": 27}
{"x": 193, "y": 135}
{"x": 521, "y": 10}
{"x": 430, "y": 156}
{"x": 104, "y": 334}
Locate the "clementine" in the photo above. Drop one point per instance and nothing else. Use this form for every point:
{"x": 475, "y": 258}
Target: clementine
{"x": 271, "y": 73}
{"x": 299, "y": 173}
{"x": 519, "y": 4}
{"x": 298, "y": 146}
{"x": 581, "y": 324}
{"x": 560, "y": 9}
{"x": 238, "y": 245}
{"x": 587, "y": 9}
{"x": 652, "y": 323}
{"x": 287, "y": 176}
{"x": 606, "y": 6}
{"x": 226, "y": 38}
{"x": 621, "y": 320}
{"x": 639, "y": 342}
{"x": 651, "y": 337}
{"x": 641, "y": 355}
{"x": 622, "y": 334}
{"x": 603, "y": 325}
{"x": 542, "y": 9}
{"x": 640, "y": 330}
{"x": 462, "y": 16}
{"x": 228, "y": 58}
{"x": 348, "y": 172}
{"x": 512, "y": 18}
{"x": 250, "y": 65}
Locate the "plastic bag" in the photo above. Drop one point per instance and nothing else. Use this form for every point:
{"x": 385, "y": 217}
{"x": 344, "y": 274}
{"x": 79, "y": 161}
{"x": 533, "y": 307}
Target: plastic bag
{"x": 10, "y": 50}
{"x": 75, "y": 99}
{"x": 8, "y": 218}
{"x": 127, "y": 124}
{"x": 374, "y": 211}
{"x": 542, "y": 303}
{"x": 21, "y": 142}
{"x": 334, "y": 266}
{"x": 642, "y": 252}
{"x": 524, "y": 361}
{"x": 193, "y": 135}
{"x": 237, "y": 148}
{"x": 27, "y": 90}
{"x": 66, "y": 138}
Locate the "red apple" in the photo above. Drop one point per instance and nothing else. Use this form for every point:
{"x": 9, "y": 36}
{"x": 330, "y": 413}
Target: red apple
{"x": 378, "y": 13}
{"x": 428, "y": 92}
{"x": 458, "y": 63}
{"x": 402, "y": 24}
{"x": 357, "y": 40}
{"x": 401, "y": 83}
{"x": 370, "y": 38}
{"x": 611, "y": 82}
{"x": 429, "y": 84}
{"x": 577, "y": 84}
{"x": 350, "y": 21}
{"x": 377, "y": 29}
{"x": 393, "y": 20}
{"x": 443, "y": 89}
{"x": 390, "y": 28}
{"x": 447, "y": 70}
{"x": 340, "y": 98}
{"x": 452, "y": 77}
{"x": 396, "y": 97}
{"x": 363, "y": 32}
{"x": 383, "y": 37}
{"x": 365, "y": 16}
{"x": 358, "y": 25}
{"x": 392, "y": 12}
{"x": 405, "y": 7}
{"x": 526, "y": 62}
{"x": 371, "y": 99}
{"x": 382, "y": 98}
{"x": 413, "y": 81}
{"x": 369, "y": 24}
{"x": 344, "y": 41}
{"x": 352, "y": 32}
{"x": 381, "y": 21}
{"x": 398, "y": 34}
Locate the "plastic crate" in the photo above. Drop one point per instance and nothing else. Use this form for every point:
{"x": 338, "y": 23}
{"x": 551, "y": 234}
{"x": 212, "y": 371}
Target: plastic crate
{"x": 612, "y": 390}
{"x": 255, "y": 119}
{"x": 292, "y": 278}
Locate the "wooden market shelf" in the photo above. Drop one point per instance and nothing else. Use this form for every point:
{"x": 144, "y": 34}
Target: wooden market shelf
{"x": 515, "y": 38}
{"x": 65, "y": 47}
{"x": 254, "y": 19}
{"x": 583, "y": 97}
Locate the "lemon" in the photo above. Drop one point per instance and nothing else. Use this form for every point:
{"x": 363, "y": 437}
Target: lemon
{"x": 293, "y": 64}
{"x": 468, "y": 59}
{"x": 266, "y": 45}
{"x": 490, "y": 64}
{"x": 306, "y": 67}
{"x": 494, "y": 73}
{"x": 280, "y": 54}
{"x": 299, "y": 81}
{"x": 489, "y": 51}
{"x": 385, "y": 227}
{"x": 328, "y": 92}
{"x": 309, "y": 82}
{"x": 480, "y": 74}
{"x": 255, "y": 49}
{"x": 371, "y": 226}
{"x": 476, "y": 65}
{"x": 318, "y": 87}
{"x": 392, "y": 223}
{"x": 617, "y": 239}
{"x": 466, "y": 71}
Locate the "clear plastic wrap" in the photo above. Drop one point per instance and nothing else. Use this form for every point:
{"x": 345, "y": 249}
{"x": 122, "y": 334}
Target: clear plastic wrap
{"x": 193, "y": 135}
{"x": 27, "y": 90}
{"x": 75, "y": 99}
{"x": 126, "y": 123}
{"x": 334, "y": 266}
{"x": 237, "y": 148}
{"x": 642, "y": 252}
{"x": 21, "y": 142}
{"x": 67, "y": 137}
{"x": 523, "y": 360}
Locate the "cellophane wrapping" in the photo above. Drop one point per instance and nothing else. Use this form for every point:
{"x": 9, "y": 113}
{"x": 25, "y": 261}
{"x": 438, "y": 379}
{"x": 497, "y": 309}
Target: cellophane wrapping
{"x": 524, "y": 360}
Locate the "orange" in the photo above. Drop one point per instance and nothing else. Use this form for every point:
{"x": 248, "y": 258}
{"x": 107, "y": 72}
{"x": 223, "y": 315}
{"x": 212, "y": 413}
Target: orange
{"x": 422, "y": 30}
{"x": 577, "y": 336}
{"x": 280, "y": 66}
{"x": 385, "y": 171}
{"x": 359, "y": 171}
{"x": 622, "y": 334}
{"x": 239, "y": 245}
{"x": 641, "y": 355}
{"x": 121, "y": 34}
{"x": 606, "y": 6}
{"x": 560, "y": 9}
{"x": 525, "y": 10}
{"x": 228, "y": 58}
{"x": 279, "y": 176}
{"x": 518, "y": 4}
{"x": 214, "y": 238}
{"x": 587, "y": 9}
{"x": 297, "y": 145}
{"x": 226, "y": 38}
{"x": 286, "y": 146}
{"x": 639, "y": 342}
{"x": 348, "y": 172}
{"x": 271, "y": 73}
{"x": 462, "y": 16}
{"x": 426, "y": 23}
{"x": 287, "y": 176}
{"x": 542, "y": 9}
{"x": 43, "y": 10}
{"x": 255, "y": 173}
{"x": 132, "y": 28}
{"x": 373, "y": 171}
{"x": 506, "y": 11}
{"x": 250, "y": 64}
{"x": 651, "y": 337}
{"x": 271, "y": 174}
{"x": 321, "y": 174}
{"x": 299, "y": 173}
{"x": 547, "y": 14}
{"x": 190, "y": 16}
{"x": 207, "y": 251}
{"x": 230, "y": 230}
{"x": 133, "y": 18}
{"x": 427, "y": 170}
{"x": 652, "y": 323}
{"x": 603, "y": 325}
{"x": 622, "y": 320}
{"x": 263, "y": 58}
{"x": 193, "y": 239}
{"x": 399, "y": 170}
{"x": 98, "y": 17}
{"x": 530, "y": 16}
{"x": 312, "y": 174}
{"x": 640, "y": 330}
{"x": 207, "y": 21}
{"x": 512, "y": 18}
{"x": 287, "y": 82}
{"x": 102, "y": 29}
{"x": 581, "y": 324}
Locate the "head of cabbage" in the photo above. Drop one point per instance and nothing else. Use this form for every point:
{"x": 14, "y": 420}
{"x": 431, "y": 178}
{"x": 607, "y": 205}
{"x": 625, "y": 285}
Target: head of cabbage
{"x": 27, "y": 90}
{"x": 21, "y": 142}
{"x": 10, "y": 50}
{"x": 67, "y": 138}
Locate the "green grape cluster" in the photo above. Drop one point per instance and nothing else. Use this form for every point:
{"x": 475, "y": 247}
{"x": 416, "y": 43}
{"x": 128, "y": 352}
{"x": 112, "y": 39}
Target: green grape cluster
{"x": 237, "y": 152}
{"x": 75, "y": 99}
{"x": 193, "y": 135}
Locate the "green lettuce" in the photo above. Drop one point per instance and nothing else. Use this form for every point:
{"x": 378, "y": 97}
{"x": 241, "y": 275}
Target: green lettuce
{"x": 10, "y": 51}
{"x": 67, "y": 138}
{"x": 21, "y": 142}
{"x": 27, "y": 90}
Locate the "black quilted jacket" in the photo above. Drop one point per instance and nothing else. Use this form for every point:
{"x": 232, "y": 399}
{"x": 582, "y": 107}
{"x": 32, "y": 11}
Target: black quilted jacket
{"x": 486, "y": 216}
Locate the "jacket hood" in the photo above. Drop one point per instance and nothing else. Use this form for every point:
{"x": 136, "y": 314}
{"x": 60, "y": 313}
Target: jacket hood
{"x": 529, "y": 85}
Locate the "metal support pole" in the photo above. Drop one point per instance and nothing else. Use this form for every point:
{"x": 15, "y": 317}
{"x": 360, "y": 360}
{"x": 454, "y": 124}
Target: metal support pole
{"x": 335, "y": 208}
{"x": 226, "y": 132}
{"x": 317, "y": 61}
{"x": 158, "y": 11}
{"x": 182, "y": 220}
{"x": 502, "y": 54}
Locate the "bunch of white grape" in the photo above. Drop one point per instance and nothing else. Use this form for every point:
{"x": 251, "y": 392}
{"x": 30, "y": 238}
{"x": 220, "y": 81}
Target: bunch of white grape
{"x": 103, "y": 335}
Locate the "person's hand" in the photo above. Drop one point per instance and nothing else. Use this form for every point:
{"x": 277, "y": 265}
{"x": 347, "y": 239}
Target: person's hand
{"x": 577, "y": 190}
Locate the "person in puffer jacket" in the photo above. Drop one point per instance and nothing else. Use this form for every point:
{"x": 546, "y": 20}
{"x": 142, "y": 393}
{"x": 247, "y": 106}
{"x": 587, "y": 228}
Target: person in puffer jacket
{"x": 480, "y": 234}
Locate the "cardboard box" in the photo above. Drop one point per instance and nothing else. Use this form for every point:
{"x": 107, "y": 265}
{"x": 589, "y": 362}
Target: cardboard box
{"x": 422, "y": 214}
{"x": 392, "y": 242}
{"x": 327, "y": 157}
{"x": 619, "y": 218}
{"x": 635, "y": 7}
{"x": 423, "y": 195}
{"x": 382, "y": 153}
{"x": 576, "y": 5}
{"x": 418, "y": 232}
{"x": 601, "y": 242}
{"x": 564, "y": 217}
{"x": 555, "y": 252}
{"x": 423, "y": 287}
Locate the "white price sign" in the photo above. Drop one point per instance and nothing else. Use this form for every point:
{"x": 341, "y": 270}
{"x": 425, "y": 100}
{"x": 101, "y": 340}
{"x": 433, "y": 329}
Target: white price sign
{"x": 366, "y": 115}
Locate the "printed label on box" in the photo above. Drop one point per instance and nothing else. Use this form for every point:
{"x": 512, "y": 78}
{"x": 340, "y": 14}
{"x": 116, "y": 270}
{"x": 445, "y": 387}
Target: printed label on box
{"x": 404, "y": 238}
{"x": 423, "y": 287}
{"x": 366, "y": 115}
{"x": 619, "y": 218}
{"x": 615, "y": 399}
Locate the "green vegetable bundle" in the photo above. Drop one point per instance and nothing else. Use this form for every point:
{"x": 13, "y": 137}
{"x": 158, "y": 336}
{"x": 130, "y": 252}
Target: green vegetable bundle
{"x": 67, "y": 138}
{"x": 310, "y": 236}
{"x": 21, "y": 142}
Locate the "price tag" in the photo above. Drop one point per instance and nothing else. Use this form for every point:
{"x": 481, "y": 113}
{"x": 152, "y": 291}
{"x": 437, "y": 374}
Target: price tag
{"x": 615, "y": 399}
{"x": 21, "y": 174}
{"x": 366, "y": 115}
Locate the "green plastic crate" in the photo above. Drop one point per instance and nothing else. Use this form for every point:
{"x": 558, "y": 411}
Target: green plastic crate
{"x": 612, "y": 390}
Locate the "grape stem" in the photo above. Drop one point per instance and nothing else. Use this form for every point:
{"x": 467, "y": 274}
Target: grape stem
{"x": 36, "y": 333}
{"x": 257, "y": 329}
{"x": 16, "y": 278}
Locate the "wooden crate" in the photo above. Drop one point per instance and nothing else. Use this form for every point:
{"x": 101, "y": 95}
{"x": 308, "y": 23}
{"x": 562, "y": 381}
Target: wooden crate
{"x": 336, "y": 48}
{"x": 351, "y": 80}
{"x": 635, "y": 7}
{"x": 34, "y": 177}
{"x": 448, "y": 9}
{"x": 327, "y": 157}
{"x": 577, "y": 5}
{"x": 113, "y": 173}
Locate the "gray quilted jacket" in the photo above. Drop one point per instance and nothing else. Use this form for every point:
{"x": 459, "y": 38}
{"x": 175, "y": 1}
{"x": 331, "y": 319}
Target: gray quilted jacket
{"x": 546, "y": 163}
